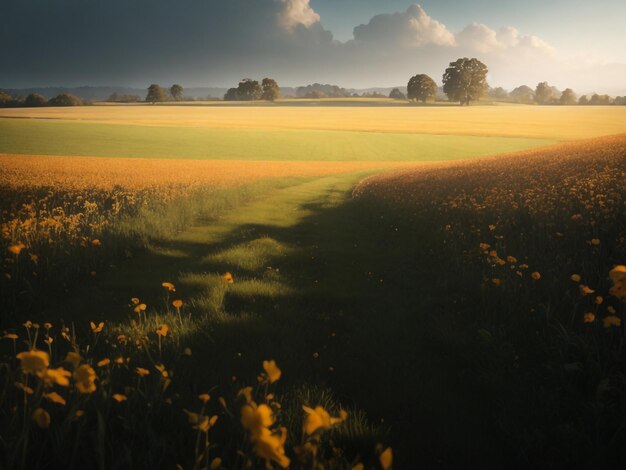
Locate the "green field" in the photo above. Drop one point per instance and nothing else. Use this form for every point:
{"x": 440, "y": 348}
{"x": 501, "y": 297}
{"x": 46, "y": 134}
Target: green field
{"x": 69, "y": 138}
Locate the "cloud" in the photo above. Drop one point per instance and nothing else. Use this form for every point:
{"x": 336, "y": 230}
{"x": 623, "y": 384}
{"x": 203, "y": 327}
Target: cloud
{"x": 412, "y": 28}
{"x": 218, "y": 42}
{"x": 297, "y": 12}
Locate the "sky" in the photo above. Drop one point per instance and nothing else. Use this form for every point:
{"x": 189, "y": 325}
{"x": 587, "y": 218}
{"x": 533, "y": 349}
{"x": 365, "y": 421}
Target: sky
{"x": 351, "y": 43}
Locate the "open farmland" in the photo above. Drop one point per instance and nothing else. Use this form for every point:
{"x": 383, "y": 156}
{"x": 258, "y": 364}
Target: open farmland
{"x": 437, "y": 278}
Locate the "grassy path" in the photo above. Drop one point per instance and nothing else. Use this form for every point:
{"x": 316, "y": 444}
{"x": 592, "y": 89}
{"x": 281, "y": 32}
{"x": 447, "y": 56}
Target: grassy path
{"x": 330, "y": 289}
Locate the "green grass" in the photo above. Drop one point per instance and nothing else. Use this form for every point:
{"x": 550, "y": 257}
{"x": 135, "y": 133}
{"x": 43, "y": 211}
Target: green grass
{"x": 112, "y": 140}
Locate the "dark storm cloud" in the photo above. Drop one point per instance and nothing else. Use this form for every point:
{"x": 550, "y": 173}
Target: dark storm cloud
{"x": 217, "y": 42}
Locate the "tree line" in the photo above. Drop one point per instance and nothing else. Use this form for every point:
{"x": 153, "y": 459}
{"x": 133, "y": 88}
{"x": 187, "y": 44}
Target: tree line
{"x": 35, "y": 100}
{"x": 465, "y": 80}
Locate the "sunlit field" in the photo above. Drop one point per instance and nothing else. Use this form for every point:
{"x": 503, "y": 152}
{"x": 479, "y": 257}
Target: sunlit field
{"x": 312, "y": 286}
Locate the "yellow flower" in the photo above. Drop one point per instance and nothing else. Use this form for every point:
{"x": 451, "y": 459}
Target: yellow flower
{"x": 386, "y": 459}
{"x": 162, "y": 330}
{"x": 177, "y": 303}
{"x": 611, "y": 309}
{"x": 162, "y": 370}
{"x": 589, "y": 317}
{"x": 17, "y": 248}
{"x": 58, "y": 376}
{"x": 254, "y": 418}
{"x": 496, "y": 281}
{"x": 96, "y": 242}
{"x": 11, "y": 336}
{"x": 118, "y": 397}
{"x": 42, "y": 418}
{"x": 216, "y": 463}
{"x": 272, "y": 371}
{"x": 228, "y": 277}
{"x": 269, "y": 447}
{"x": 611, "y": 320}
{"x": 33, "y": 361}
{"x": 319, "y": 418}
{"x": 595, "y": 241}
{"x": 536, "y": 276}
{"x": 585, "y": 290}
{"x": 96, "y": 329}
{"x": 85, "y": 379}
{"x": 169, "y": 286}
{"x": 104, "y": 362}
{"x": 599, "y": 300}
{"x": 618, "y": 277}
{"x": 575, "y": 277}
{"x": 26, "y": 389}
{"x": 246, "y": 392}
{"x": 73, "y": 358}
{"x": 200, "y": 422}
{"x": 135, "y": 301}
{"x": 141, "y": 372}
{"x": 140, "y": 308}
{"x": 204, "y": 397}
{"x": 54, "y": 397}
{"x": 358, "y": 466}
{"x": 511, "y": 259}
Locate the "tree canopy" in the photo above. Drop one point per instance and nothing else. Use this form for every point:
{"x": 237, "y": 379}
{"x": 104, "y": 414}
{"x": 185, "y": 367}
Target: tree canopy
{"x": 396, "y": 94}
{"x": 34, "y": 100}
{"x": 65, "y": 99}
{"x": 247, "y": 90}
{"x": 271, "y": 90}
{"x": 545, "y": 94}
{"x": 155, "y": 94}
{"x": 465, "y": 80}
{"x": 568, "y": 97}
{"x": 177, "y": 92}
{"x": 421, "y": 88}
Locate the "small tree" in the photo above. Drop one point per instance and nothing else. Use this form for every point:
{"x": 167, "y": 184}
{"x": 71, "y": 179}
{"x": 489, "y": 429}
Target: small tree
{"x": 231, "y": 95}
{"x": 498, "y": 94}
{"x": 5, "y": 99}
{"x": 397, "y": 94}
{"x": 35, "y": 100}
{"x": 65, "y": 99}
{"x": 421, "y": 88}
{"x": 155, "y": 94}
{"x": 568, "y": 97}
{"x": 113, "y": 98}
{"x": 465, "y": 80}
{"x": 523, "y": 94}
{"x": 583, "y": 100}
{"x": 177, "y": 92}
{"x": 271, "y": 90}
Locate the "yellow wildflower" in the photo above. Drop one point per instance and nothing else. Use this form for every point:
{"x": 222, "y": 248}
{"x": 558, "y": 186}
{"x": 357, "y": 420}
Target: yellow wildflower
{"x": 96, "y": 329}
{"x": 118, "y": 397}
{"x": 73, "y": 358}
{"x": 536, "y": 275}
{"x": 177, "y": 303}
{"x": 169, "y": 286}
{"x": 319, "y": 418}
{"x": 386, "y": 459}
{"x": 96, "y": 242}
{"x": 585, "y": 290}
{"x": 228, "y": 277}
{"x": 611, "y": 320}
{"x": 141, "y": 372}
{"x": 85, "y": 379}
{"x": 272, "y": 371}
{"x": 575, "y": 277}
{"x": 140, "y": 308}
{"x": 618, "y": 277}
{"x": 58, "y": 376}
{"x": 54, "y": 397}
{"x": 216, "y": 463}
{"x": 17, "y": 248}
{"x": 162, "y": 330}
{"x": 204, "y": 397}
{"x": 33, "y": 361}
{"x": 589, "y": 317}
{"x": 270, "y": 447}
{"x": 104, "y": 362}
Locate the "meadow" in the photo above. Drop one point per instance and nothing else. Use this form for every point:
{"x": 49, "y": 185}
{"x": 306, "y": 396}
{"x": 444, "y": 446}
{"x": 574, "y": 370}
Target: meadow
{"x": 240, "y": 286}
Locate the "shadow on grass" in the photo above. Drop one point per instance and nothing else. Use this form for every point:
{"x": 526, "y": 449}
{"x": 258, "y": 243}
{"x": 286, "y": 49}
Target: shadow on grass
{"x": 345, "y": 298}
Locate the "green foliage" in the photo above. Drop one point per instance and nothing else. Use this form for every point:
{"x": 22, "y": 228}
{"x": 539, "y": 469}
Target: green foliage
{"x": 177, "y": 92}
{"x": 271, "y": 90}
{"x": 65, "y": 99}
{"x": 568, "y": 97}
{"x": 465, "y": 80}
{"x": 396, "y": 94}
{"x": 156, "y": 94}
{"x": 421, "y": 88}
{"x": 35, "y": 100}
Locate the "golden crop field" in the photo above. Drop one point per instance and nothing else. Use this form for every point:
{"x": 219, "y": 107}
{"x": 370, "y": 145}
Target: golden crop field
{"x": 563, "y": 123}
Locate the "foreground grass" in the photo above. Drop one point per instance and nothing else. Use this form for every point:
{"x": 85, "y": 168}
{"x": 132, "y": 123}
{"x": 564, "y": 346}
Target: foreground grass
{"x": 114, "y": 140}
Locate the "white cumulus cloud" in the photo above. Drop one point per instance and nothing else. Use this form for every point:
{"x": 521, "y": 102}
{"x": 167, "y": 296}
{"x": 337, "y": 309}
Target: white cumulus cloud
{"x": 297, "y": 12}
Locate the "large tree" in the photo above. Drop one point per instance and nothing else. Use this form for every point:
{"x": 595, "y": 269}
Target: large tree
{"x": 545, "y": 94}
{"x": 65, "y": 99}
{"x": 249, "y": 90}
{"x": 421, "y": 88}
{"x": 155, "y": 94}
{"x": 568, "y": 97}
{"x": 465, "y": 80}
{"x": 177, "y": 92}
{"x": 271, "y": 90}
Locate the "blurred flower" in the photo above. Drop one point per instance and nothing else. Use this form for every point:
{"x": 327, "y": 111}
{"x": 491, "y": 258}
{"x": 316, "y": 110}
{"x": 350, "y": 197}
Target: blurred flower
{"x": 177, "y": 303}
{"x": 319, "y": 418}
{"x": 17, "y": 248}
{"x": 141, "y": 372}
{"x": 162, "y": 330}
{"x": 96, "y": 329}
{"x": 611, "y": 320}
{"x": 536, "y": 276}
{"x": 386, "y": 459}
{"x": 85, "y": 379}
{"x": 169, "y": 286}
{"x": 33, "y": 361}
{"x": 42, "y": 418}
{"x": 589, "y": 317}
{"x": 618, "y": 277}
{"x": 54, "y": 397}
{"x": 118, "y": 397}
{"x": 272, "y": 370}
{"x": 575, "y": 277}
{"x": 228, "y": 277}
{"x": 58, "y": 376}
